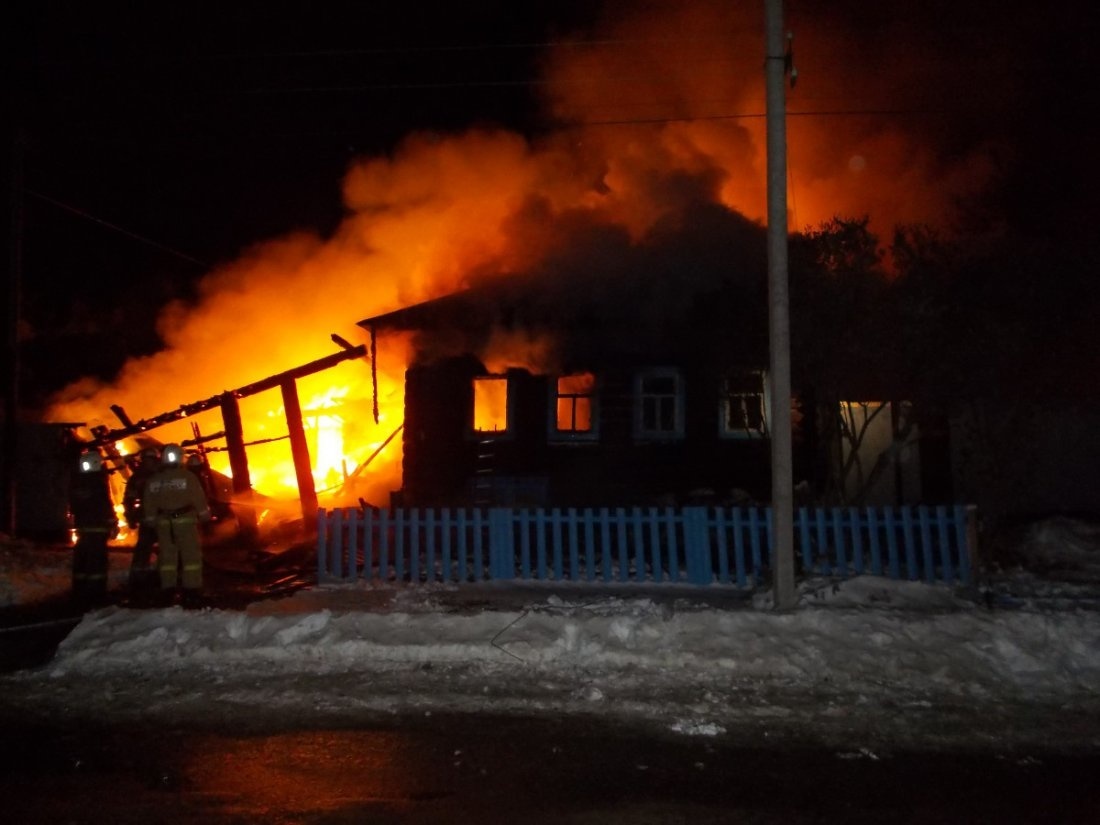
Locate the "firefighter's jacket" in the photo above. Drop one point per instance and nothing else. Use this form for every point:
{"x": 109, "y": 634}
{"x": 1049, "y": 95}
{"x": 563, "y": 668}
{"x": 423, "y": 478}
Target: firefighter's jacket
{"x": 90, "y": 502}
{"x": 174, "y": 492}
{"x": 135, "y": 489}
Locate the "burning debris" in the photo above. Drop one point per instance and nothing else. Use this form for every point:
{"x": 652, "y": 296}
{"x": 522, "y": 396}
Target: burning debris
{"x": 231, "y": 493}
{"x": 618, "y": 203}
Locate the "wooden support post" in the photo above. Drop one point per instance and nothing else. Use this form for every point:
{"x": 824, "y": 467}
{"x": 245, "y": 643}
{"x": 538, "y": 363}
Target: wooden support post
{"x": 303, "y": 467}
{"x": 238, "y": 462}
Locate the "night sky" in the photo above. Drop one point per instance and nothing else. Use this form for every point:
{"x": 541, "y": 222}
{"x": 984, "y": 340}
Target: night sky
{"x": 163, "y": 139}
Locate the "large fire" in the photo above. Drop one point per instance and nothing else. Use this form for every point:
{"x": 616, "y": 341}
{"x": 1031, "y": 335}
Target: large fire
{"x": 664, "y": 111}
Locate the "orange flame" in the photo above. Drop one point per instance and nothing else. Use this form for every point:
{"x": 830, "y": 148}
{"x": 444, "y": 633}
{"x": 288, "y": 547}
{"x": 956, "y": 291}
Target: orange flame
{"x": 670, "y": 120}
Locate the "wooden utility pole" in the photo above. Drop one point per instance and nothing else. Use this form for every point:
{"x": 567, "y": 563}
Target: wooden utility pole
{"x": 779, "y": 328}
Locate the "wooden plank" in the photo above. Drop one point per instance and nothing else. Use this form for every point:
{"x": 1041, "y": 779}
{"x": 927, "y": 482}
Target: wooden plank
{"x": 541, "y": 525}
{"x": 384, "y": 526}
{"x": 572, "y": 522}
{"x": 446, "y": 527}
{"x": 890, "y": 520}
{"x": 910, "y": 543}
{"x": 822, "y": 562}
{"x": 622, "y": 542}
{"x": 353, "y": 544}
{"x": 463, "y": 547}
{"x": 639, "y": 545}
{"x": 739, "y": 546}
{"x": 929, "y": 563}
{"x": 399, "y": 545}
{"x": 605, "y": 544}
{"x": 414, "y": 544}
{"x": 525, "y": 544}
{"x": 589, "y": 518}
{"x": 755, "y": 541}
{"x": 479, "y": 544}
{"x": 942, "y": 522}
{"x": 841, "y": 549}
{"x": 654, "y": 544}
{"x": 722, "y": 545}
{"x": 804, "y": 536}
{"x": 857, "y": 539}
{"x": 672, "y": 544}
{"x": 322, "y": 544}
{"x": 873, "y": 537}
{"x": 555, "y": 542}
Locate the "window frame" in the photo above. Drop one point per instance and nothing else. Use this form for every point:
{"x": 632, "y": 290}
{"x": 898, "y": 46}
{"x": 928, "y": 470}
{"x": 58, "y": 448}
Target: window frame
{"x": 509, "y": 423}
{"x": 725, "y": 396}
{"x": 641, "y": 432}
{"x": 558, "y": 436}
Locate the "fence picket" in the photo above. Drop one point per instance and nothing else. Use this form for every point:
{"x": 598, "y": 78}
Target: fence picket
{"x": 838, "y": 539}
{"x": 822, "y": 558}
{"x": 723, "y": 548}
{"x": 876, "y": 549}
{"x": 926, "y": 543}
{"x": 605, "y": 544}
{"x": 892, "y": 542}
{"x": 857, "y": 539}
{"x": 656, "y": 544}
{"x": 947, "y": 569}
{"x": 573, "y": 524}
{"x": 910, "y": 543}
{"x": 589, "y": 545}
{"x": 555, "y": 535}
{"x": 754, "y": 541}
{"x": 540, "y": 543}
{"x": 738, "y": 547}
{"x": 622, "y": 545}
{"x": 414, "y": 545}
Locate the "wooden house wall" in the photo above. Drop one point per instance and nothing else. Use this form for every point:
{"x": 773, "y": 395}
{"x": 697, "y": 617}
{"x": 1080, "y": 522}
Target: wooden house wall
{"x": 442, "y": 456}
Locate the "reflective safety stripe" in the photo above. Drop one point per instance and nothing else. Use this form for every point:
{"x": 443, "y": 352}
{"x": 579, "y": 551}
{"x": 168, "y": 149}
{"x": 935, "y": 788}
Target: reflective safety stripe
{"x": 179, "y": 519}
{"x": 187, "y": 567}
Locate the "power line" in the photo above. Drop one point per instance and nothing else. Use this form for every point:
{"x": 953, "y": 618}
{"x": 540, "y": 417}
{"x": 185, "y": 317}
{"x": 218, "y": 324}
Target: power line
{"x": 114, "y": 227}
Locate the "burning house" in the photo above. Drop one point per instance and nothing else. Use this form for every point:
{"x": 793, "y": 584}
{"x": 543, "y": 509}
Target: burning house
{"x": 643, "y": 382}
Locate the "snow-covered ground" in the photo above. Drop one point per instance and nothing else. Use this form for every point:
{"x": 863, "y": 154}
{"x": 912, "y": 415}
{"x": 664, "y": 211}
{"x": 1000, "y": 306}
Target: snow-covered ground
{"x": 865, "y": 663}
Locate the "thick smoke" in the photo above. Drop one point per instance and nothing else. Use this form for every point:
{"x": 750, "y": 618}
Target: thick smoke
{"x": 659, "y": 130}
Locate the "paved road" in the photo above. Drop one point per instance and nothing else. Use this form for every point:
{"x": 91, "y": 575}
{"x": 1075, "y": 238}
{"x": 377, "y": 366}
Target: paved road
{"x": 509, "y": 770}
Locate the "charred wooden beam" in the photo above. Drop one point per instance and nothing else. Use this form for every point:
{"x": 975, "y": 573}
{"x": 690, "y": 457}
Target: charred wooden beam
{"x": 121, "y": 415}
{"x": 185, "y": 410}
{"x": 299, "y": 449}
{"x": 238, "y": 464}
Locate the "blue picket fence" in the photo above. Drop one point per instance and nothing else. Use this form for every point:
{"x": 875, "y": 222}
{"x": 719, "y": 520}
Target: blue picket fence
{"x": 689, "y": 545}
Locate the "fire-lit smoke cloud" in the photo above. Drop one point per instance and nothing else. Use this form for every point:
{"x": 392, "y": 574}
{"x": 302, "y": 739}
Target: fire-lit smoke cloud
{"x": 680, "y": 86}
{"x": 661, "y": 111}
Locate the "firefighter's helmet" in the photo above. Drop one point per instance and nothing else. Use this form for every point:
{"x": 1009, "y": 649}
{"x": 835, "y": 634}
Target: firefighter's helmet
{"x": 149, "y": 454}
{"x": 91, "y": 462}
{"x": 171, "y": 455}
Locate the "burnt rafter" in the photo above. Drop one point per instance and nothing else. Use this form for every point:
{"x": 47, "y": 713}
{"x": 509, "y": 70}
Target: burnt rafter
{"x": 106, "y": 436}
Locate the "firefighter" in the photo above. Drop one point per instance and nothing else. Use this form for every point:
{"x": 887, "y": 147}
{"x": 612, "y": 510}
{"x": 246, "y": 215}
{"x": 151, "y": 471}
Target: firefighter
{"x": 143, "y": 575}
{"x": 95, "y": 523}
{"x": 175, "y": 504}
{"x": 197, "y": 464}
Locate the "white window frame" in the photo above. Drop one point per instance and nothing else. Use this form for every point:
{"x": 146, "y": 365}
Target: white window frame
{"x": 558, "y": 436}
{"x": 725, "y": 397}
{"x": 641, "y": 431}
